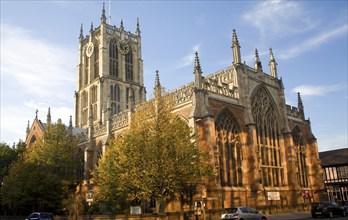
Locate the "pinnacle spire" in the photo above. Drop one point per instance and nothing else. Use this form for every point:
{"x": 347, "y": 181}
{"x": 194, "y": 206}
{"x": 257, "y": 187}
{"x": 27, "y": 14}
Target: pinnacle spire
{"x": 157, "y": 88}
{"x": 103, "y": 18}
{"x": 300, "y": 105}
{"x": 91, "y": 27}
{"x": 257, "y": 64}
{"x": 121, "y": 27}
{"x": 138, "y": 28}
{"x": 81, "y": 32}
{"x": 198, "y": 72}
{"x": 70, "y": 122}
{"x": 235, "y": 48}
{"x": 48, "y": 121}
{"x": 272, "y": 64}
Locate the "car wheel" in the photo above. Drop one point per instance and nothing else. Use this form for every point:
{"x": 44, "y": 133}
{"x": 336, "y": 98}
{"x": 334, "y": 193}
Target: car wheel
{"x": 263, "y": 218}
{"x": 330, "y": 214}
{"x": 344, "y": 213}
{"x": 314, "y": 216}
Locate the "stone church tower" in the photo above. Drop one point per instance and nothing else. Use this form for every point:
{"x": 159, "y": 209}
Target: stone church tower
{"x": 109, "y": 73}
{"x": 263, "y": 150}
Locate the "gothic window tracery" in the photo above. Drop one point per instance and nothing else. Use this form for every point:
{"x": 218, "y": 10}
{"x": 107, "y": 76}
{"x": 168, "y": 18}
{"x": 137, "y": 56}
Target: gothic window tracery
{"x": 113, "y": 59}
{"x": 94, "y": 99}
{"x": 129, "y": 65}
{"x": 300, "y": 146}
{"x": 230, "y": 149}
{"x": 115, "y": 99}
{"x": 268, "y": 144}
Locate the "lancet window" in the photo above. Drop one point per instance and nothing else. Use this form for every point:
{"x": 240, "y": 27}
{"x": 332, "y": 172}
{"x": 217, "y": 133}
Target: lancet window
{"x": 115, "y": 99}
{"x": 230, "y": 149}
{"x": 113, "y": 59}
{"x": 129, "y": 65}
{"x": 268, "y": 135}
{"x": 96, "y": 62}
{"x": 300, "y": 146}
{"x": 94, "y": 100}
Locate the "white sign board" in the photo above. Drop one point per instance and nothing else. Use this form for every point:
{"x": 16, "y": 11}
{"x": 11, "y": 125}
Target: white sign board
{"x": 273, "y": 195}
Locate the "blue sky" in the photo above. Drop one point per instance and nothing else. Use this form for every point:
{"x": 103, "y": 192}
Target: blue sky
{"x": 39, "y": 52}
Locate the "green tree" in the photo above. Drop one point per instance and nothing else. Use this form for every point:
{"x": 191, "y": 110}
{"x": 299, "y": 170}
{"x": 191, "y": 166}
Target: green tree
{"x": 7, "y": 156}
{"x": 155, "y": 158}
{"x": 47, "y": 174}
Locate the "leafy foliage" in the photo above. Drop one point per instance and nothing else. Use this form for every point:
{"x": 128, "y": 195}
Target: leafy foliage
{"x": 45, "y": 177}
{"x": 154, "y": 159}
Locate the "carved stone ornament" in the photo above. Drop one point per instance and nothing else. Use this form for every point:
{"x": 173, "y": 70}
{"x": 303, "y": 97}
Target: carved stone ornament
{"x": 89, "y": 49}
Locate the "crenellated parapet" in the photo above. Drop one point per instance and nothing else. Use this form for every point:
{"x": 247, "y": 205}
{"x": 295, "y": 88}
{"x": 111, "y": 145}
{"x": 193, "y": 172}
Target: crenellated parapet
{"x": 183, "y": 94}
{"x": 223, "y": 83}
{"x": 293, "y": 112}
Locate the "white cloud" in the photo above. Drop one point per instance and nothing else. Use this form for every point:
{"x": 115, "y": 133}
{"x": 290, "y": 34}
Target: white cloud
{"x": 35, "y": 74}
{"x": 189, "y": 58}
{"x": 277, "y": 17}
{"x": 310, "y": 90}
{"x": 314, "y": 42}
{"x": 39, "y": 67}
{"x": 332, "y": 141}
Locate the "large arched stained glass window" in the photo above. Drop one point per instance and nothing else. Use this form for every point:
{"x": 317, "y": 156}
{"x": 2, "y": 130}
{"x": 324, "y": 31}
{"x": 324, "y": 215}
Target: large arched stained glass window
{"x": 268, "y": 132}
{"x": 300, "y": 147}
{"x": 230, "y": 149}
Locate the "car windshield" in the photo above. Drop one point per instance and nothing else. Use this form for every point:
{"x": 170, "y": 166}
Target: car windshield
{"x": 230, "y": 210}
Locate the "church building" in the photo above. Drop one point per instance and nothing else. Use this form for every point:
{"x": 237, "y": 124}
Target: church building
{"x": 263, "y": 151}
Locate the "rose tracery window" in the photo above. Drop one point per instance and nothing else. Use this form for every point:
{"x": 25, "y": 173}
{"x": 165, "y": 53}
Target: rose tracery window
{"x": 268, "y": 132}
{"x": 302, "y": 173}
{"x": 230, "y": 152}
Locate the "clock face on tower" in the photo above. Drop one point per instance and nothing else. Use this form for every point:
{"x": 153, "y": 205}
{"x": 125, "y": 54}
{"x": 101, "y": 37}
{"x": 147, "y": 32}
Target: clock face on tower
{"x": 89, "y": 49}
{"x": 123, "y": 46}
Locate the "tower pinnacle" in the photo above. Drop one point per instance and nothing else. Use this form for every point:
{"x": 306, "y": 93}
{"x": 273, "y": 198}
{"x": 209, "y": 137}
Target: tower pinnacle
{"x": 198, "y": 72}
{"x": 257, "y": 64}
{"x": 103, "y": 17}
{"x": 272, "y": 64}
{"x": 81, "y": 32}
{"x": 235, "y": 48}
{"x": 158, "y": 91}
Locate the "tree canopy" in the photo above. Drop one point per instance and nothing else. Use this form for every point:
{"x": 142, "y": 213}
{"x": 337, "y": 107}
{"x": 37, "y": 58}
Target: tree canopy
{"x": 155, "y": 159}
{"x": 46, "y": 175}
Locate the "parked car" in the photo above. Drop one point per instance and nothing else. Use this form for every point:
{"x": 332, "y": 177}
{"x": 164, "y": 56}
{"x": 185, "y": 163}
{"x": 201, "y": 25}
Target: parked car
{"x": 345, "y": 207}
{"x": 242, "y": 212}
{"x": 40, "y": 216}
{"x": 329, "y": 209}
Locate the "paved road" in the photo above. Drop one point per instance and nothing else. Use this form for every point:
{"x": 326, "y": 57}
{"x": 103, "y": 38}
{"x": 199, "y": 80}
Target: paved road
{"x": 300, "y": 216}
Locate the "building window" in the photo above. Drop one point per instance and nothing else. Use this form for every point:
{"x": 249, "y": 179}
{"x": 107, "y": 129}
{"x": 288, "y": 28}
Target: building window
{"x": 342, "y": 172}
{"x": 129, "y": 65}
{"x": 94, "y": 99}
{"x": 96, "y": 62}
{"x": 115, "y": 99}
{"x": 113, "y": 59}
{"x": 299, "y": 143}
{"x": 230, "y": 152}
{"x": 267, "y": 131}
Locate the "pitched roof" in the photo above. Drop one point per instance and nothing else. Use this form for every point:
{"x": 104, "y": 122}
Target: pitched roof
{"x": 334, "y": 157}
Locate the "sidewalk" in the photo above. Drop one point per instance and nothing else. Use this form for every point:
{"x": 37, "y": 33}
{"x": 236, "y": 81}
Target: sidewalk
{"x": 291, "y": 216}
